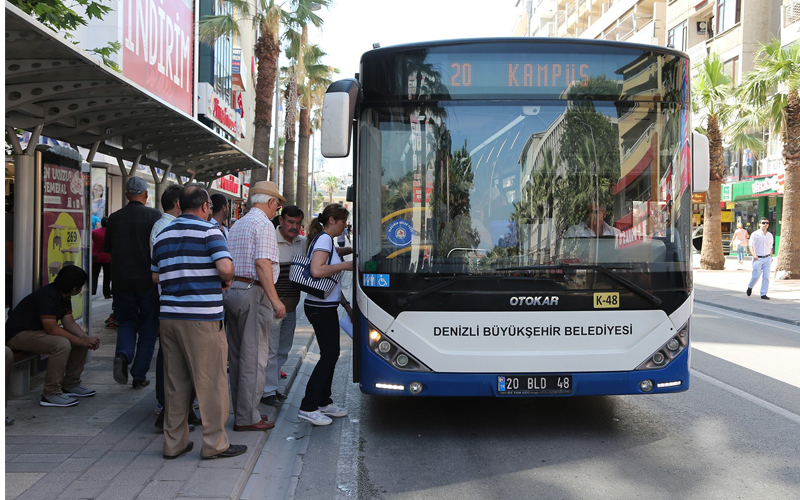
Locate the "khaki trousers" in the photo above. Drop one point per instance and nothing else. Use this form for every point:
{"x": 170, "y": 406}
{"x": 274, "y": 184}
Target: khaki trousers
{"x": 195, "y": 356}
{"x": 65, "y": 361}
{"x": 249, "y": 313}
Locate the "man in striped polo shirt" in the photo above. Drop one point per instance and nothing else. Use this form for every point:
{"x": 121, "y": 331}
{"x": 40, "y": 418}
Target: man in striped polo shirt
{"x": 192, "y": 264}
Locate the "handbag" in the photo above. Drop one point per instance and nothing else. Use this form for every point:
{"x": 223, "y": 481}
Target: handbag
{"x": 300, "y": 274}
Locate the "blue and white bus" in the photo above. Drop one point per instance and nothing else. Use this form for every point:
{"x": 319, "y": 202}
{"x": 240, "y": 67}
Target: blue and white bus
{"x": 522, "y": 217}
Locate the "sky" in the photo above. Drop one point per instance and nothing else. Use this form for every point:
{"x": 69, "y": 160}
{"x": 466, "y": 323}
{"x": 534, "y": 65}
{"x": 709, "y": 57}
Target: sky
{"x": 352, "y": 26}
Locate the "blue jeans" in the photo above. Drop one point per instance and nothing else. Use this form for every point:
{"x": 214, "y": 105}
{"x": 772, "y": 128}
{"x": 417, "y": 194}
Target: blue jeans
{"x": 740, "y": 251}
{"x": 137, "y": 315}
{"x": 761, "y": 269}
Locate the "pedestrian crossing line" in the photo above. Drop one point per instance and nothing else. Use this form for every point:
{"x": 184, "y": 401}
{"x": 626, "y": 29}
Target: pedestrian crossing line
{"x": 749, "y": 397}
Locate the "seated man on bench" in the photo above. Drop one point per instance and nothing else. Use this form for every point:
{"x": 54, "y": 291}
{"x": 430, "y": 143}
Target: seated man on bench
{"x": 33, "y": 326}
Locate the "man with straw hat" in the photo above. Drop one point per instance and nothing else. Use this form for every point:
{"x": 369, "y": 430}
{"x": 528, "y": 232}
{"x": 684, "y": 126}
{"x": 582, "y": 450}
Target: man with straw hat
{"x": 251, "y": 304}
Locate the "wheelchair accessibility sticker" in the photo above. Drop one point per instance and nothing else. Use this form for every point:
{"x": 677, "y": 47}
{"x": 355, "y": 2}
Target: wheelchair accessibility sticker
{"x": 376, "y": 280}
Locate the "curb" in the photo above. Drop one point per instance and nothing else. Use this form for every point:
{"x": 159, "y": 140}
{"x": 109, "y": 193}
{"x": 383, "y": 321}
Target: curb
{"x": 250, "y": 466}
{"x": 749, "y": 313}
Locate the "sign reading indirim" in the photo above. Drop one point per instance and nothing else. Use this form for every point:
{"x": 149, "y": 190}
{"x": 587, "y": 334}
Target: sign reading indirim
{"x": 158, "y": 48}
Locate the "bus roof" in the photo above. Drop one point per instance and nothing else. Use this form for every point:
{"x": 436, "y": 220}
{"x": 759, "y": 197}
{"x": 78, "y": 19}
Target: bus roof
{"x": 531, "y": 40}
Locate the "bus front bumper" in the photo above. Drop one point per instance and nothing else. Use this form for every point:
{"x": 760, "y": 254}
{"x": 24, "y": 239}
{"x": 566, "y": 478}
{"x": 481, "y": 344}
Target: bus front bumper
{"x": 378, "y": 377}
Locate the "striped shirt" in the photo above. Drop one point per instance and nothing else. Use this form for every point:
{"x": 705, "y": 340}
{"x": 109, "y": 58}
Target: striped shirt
{"x": 252, "y": 238}
{"x": 184, "y": 256}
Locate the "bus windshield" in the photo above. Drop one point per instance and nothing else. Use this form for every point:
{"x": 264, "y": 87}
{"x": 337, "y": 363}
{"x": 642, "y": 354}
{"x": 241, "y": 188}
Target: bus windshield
{"x": 499, "y": 187}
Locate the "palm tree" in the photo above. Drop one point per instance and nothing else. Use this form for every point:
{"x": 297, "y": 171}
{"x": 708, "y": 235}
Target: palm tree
{"x": 266, "y": 20}
{"x": 330, "y": 184}
{"x": 318, "y": 78}
{"x": 773, "y": 86}
{"x": 298, "y": 43}
{"x": 712, "y": 89}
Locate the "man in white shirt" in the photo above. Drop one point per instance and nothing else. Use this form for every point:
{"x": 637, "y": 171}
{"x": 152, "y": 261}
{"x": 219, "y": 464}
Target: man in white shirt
{"x": 761, "y": 244}
{"x": 594, "y": 225}
{"x": 281, "y": 336}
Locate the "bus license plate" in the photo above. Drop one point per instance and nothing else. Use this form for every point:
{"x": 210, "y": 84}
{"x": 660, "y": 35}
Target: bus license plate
{"x": 534, "y": 384}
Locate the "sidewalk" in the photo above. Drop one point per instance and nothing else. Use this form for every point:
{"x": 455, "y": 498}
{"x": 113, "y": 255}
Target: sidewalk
{"x": 107, "y": 447}
{"x": 726, "y": 289}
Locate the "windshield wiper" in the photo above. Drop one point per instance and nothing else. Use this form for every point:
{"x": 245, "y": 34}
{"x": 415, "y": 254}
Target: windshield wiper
{"x": 594, "y": 267}
{"x": 404, "y": 301}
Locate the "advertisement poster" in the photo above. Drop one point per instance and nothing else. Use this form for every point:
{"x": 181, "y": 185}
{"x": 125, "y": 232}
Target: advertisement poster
{"x": 98, "y": 194}
{"x": 158, "y": 48}
{"x": 62, "y": 224}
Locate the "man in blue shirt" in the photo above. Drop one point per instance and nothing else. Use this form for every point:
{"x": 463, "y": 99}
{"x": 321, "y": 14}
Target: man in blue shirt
{"x": 192, "y": 264}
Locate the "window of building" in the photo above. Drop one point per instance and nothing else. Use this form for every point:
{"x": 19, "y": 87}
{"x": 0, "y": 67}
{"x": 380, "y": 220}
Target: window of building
{"x": 223, "y": 59}
{"x": 728, "y": 12}
{"x": 731, "y": 68}
{"x": 677, "y": 37}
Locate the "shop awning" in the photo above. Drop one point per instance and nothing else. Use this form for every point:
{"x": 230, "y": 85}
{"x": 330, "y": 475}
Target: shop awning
{"x": 51, "y": 83}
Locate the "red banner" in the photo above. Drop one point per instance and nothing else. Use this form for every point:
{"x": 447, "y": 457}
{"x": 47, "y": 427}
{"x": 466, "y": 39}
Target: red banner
{"x": 158, "y": 50}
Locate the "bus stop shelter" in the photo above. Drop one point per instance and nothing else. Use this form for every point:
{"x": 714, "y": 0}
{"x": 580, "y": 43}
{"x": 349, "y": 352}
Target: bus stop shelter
{"x": 56, "y": 90}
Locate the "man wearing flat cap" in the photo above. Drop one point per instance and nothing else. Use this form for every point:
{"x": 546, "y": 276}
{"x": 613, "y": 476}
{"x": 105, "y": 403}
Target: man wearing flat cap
{"x": 135, "y": 294}
{"x": 251, "y": 303}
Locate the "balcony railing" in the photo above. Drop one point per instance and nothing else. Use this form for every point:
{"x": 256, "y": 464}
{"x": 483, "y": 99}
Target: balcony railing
{"x": 791, "y": 13}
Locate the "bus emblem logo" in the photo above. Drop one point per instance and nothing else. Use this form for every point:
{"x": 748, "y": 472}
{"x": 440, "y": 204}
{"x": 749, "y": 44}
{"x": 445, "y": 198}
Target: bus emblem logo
{"x": 534, "y": 301}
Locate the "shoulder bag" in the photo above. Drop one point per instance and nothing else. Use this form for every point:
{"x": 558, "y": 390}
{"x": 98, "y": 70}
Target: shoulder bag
{"x": 300, "y": 274}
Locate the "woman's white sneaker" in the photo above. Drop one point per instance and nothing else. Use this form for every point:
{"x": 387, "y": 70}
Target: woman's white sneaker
{"x": 333, "y": 411}
{"x": 315, "y": 417}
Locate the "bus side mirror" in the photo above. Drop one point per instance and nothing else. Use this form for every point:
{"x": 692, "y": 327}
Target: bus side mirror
{"x": 338, "y": 111}
{"x": 349, "y": 196}
{"x": 701, "y": 163}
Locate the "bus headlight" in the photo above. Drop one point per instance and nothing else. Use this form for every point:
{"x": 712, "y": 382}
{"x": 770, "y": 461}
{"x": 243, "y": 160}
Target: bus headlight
{"x": 392, "y": 353}
{"x": 669, "y": 351}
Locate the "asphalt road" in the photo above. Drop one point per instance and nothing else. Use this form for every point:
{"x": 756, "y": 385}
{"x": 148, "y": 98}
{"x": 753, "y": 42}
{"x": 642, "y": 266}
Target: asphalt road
{"x": 734, "y": 435}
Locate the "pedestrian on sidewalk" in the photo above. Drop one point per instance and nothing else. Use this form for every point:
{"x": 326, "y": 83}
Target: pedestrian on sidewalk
{"x": 101, "y": 260}
{"x": 251, "y": 305}
{"x": 33, "y": 327}
{"x": 135, "y": 295}
{"x": 281, "y": 334}
{"x": 192, "y": 264}
{"x": 317, "y": 406}
{"x": 170, "y": 203}
{"x": 761, "y": 244}
{"x": 740, "y": 241}
{"x": 220, "y": 212}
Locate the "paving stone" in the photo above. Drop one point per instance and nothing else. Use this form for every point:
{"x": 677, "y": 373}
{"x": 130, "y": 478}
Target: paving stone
{"x": 83, "y": 489}
{"x": 148, "y": 460}
{"x": 75, "y": 465}
{"x": 102, "y": 471}
{"x": 40, "y": 457}
{"x": 173, "y": 470}
{"x": 160, "y": 490}
{"x": 134, "y": 443}
{"x": 118, "y": 457}
{"x": 91, "y": 451}
{"x": 48, "y": 448}
{"x": 49, "y": 486}
{"x": 212, "y": 483}
{"x": 16, "y": 483}
{"x": 31, "y": 466}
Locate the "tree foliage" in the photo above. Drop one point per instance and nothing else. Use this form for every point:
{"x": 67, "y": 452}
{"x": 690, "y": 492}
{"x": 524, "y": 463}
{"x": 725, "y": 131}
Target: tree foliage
{"x": 61, "y": 18}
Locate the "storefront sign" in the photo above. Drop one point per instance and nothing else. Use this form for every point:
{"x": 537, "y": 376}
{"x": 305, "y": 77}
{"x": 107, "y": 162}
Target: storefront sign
{"x": 238, "y": 82}
{"x": 765, "y": 185}
{"x": 228, "y": 184}
{"x": 63, "y": 211}
{"x": 726, "y": 193}
{"x": 214, "y": 108}
{"x": 158, "y": 49}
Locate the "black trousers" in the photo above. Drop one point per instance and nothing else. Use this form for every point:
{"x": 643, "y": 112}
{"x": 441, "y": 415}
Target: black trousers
{"x": 325, "y": 321}
{"x": 106, "y": 278}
